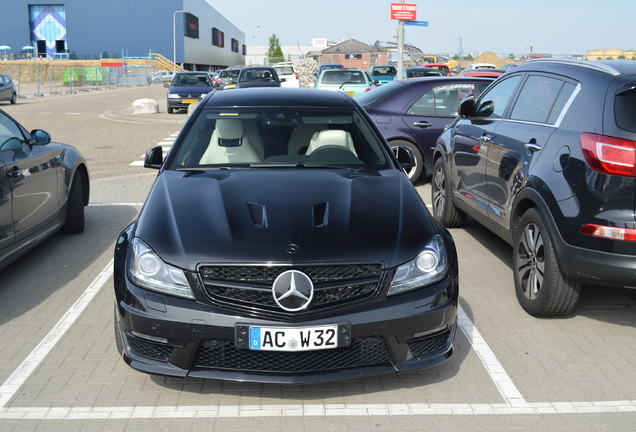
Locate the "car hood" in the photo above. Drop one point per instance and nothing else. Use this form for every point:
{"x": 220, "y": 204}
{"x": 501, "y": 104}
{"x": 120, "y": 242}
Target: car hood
{"x": 253, "y": 215}
{"x": 191, "y": 90}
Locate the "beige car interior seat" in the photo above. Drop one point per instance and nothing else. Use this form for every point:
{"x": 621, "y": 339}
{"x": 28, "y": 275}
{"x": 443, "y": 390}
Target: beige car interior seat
{"x": 331, "y": 138}
{"x": 232, "y": 143}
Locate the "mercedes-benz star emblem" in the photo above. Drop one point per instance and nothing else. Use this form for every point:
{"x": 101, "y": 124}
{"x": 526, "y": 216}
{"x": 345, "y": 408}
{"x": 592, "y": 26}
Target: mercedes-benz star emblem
{"x": 293, "y": 290}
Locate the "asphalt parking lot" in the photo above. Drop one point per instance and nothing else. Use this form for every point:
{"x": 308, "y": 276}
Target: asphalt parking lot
{"x": 60, "y": 370}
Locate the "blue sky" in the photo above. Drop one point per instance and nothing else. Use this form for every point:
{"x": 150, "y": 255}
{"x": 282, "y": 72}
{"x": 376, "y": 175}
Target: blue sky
{"x": 510, "y": 26}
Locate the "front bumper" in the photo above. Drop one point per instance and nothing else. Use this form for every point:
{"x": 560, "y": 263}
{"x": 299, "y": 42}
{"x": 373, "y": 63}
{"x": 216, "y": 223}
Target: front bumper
{"x": 182, "y": 103}
{"x": 165, "y": 335}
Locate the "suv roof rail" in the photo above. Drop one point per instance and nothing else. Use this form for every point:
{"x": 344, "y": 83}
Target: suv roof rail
{"x": 601, "y": 67}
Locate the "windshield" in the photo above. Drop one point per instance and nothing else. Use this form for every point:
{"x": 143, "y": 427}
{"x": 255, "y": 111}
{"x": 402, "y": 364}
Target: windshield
{"x": 280, "y": 137}
{"x": 191, "y": 80}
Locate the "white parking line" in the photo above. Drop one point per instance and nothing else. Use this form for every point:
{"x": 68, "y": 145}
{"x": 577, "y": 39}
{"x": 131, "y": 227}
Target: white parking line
{"x": 33, "y": 360}
{"x": 497, "y": 373}
{"x": 166, "y": 144}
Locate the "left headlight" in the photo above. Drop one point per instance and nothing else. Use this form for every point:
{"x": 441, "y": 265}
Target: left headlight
{"x": 147, "y": 269}
{"x": 430, "y": 266}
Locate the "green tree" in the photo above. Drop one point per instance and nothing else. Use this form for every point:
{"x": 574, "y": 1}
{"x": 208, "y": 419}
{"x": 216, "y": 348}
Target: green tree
{"x": 275, "y": 52}
{"x": 511, "y": 56}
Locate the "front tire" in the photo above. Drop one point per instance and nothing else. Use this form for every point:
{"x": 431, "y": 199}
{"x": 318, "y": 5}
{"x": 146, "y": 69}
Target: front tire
{"x": 444, "y": 211}
{"x": 14, "y": 99}
{"x": 74, "y": 223}
{"x": 415, "y": 172}
{"x": 170, "y": 110}
{"x": 541, "y": 288}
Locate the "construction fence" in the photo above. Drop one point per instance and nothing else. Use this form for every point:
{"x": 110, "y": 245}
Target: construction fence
{"x": 39, "y": 78}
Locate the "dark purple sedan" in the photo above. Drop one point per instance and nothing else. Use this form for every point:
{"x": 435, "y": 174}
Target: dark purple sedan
{"x": 413, "y": 112}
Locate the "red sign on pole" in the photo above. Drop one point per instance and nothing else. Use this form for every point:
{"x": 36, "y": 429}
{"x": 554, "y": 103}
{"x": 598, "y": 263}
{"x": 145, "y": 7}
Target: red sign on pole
{"x": 403, "y": 11}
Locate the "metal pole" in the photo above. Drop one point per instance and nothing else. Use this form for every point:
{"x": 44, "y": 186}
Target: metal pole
{"x": 174, "y": 37}
{"x": 400, "y": 42}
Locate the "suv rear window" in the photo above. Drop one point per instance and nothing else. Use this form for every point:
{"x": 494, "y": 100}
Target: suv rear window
{"x": 284, "y": 70}
{"x": 229, "y": 73}
{"x": 625, "y": 109}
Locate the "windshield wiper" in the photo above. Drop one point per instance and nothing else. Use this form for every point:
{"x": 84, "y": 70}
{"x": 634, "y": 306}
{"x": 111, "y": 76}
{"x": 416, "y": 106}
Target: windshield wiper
{"x": 297, "y": 165}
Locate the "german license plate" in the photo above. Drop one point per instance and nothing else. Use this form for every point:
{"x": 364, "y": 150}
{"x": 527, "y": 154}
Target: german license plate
{"x": 189, "y": 101}
{"x": 293, "y": 338}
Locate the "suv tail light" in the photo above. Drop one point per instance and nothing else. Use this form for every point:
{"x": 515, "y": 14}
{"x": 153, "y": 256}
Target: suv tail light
{"x": 296, "y": 75}
{"x": 609, "y": 155}
{"x": 612, "y": 233}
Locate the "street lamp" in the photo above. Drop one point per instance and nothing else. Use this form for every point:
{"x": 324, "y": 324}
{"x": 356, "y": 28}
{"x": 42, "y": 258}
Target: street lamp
{"x": 174, "y": 36}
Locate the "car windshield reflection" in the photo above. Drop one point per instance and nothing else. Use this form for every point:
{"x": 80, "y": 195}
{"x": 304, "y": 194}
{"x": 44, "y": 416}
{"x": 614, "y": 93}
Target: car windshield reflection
{"x": 279, "y": 137}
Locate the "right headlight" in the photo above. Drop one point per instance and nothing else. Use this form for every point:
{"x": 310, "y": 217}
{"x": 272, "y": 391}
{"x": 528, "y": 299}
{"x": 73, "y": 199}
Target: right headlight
{"x": 174, "y": 96}
{"x": 429, "y": 266}
{"x": 147, "y": 269}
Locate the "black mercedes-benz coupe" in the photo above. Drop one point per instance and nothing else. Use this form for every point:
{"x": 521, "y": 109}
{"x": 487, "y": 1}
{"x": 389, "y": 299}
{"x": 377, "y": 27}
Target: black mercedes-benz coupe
{"x": 282, "y": 242}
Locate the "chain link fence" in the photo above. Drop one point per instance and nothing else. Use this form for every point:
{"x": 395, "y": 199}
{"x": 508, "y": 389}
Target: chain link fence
{"x": 40, "y": 78}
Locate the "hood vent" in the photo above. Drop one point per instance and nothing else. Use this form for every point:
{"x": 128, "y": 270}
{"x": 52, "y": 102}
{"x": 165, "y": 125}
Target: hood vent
{"x": 320, "y": 215}
{"x": 259, "y": 214}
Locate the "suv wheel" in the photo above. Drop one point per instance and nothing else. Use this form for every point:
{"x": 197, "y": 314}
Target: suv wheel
{"x": 415, "y": 172}
{"x": 540, "y": 287}
{"x": 444, "y": 210}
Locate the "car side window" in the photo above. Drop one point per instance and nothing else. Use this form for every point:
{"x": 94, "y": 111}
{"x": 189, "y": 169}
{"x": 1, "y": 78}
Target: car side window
{"x": 10, "y": 135}
{"x": 494, "y": 102}
{"x": 537, "y": 100}
{"x": 442, "y": 100}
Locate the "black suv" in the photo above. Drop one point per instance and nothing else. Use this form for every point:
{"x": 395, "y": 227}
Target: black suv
{"x": 546, "y": 159}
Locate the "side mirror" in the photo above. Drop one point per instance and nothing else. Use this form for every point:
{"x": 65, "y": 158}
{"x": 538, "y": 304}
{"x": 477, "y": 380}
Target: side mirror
{"x": 283, "y": 80}
{"x": 166, "y": 85}
{"x": 38, "y": 136}
{"x": 154, "y": 158}
{"x": 467, "y": 107}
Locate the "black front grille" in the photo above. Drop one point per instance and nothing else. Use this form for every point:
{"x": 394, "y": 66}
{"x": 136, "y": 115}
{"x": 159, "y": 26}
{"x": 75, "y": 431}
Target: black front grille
{"x": 429, "y": 344}
{"x": 149, "y": 349}
{"x": 251, "y": 286}
{"x": 222, "y": 354}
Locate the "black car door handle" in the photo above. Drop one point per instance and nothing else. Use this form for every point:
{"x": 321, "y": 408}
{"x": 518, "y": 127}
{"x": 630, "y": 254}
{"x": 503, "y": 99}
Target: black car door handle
{"x": 423, "y": 124}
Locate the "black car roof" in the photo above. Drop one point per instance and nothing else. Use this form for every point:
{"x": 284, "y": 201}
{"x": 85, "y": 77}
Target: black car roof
{"x": 613, "y": 67}
{"x": 280, "y": 97}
